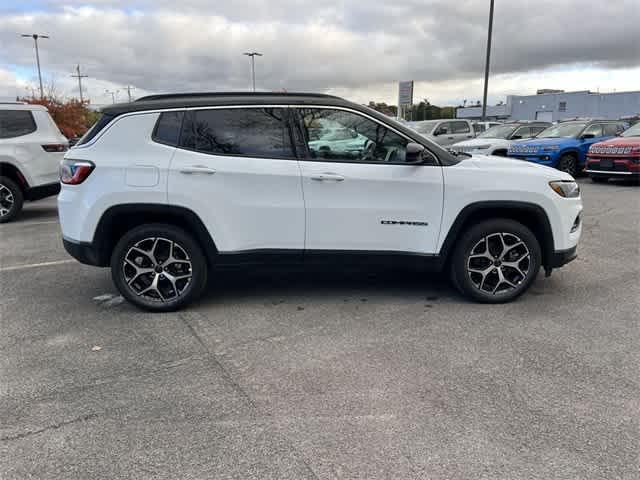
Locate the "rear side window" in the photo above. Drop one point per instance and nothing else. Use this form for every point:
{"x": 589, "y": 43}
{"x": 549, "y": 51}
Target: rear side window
{"x": 15, "y": 123}
{"x": 253, "y": 132}
{"x": 102, "y": 122}
{"x": 167, "y": 129}
{"x": 611, "y": 129}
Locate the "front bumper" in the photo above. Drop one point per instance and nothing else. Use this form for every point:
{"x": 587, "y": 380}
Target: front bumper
{"x": 613, "y": 167}
{"x": 562, "y": 257}
{"x": 542, "y": 159}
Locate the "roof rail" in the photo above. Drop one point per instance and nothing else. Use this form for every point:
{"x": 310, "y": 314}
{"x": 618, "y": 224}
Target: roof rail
{"x": 13, "y": 103}
{"x": 174, "y": 96}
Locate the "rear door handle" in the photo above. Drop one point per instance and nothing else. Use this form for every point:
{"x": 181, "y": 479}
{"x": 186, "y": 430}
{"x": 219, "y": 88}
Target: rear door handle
{"x": 201, "y": 169}
{"x": 327, "y": 177}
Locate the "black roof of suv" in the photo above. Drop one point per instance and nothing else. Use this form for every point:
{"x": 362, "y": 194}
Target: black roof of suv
{"x": 209, "y": 99}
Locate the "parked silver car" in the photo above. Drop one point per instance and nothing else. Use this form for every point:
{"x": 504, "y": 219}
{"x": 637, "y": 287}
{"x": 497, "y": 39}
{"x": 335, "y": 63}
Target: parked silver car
{"x": 446, "y": 131}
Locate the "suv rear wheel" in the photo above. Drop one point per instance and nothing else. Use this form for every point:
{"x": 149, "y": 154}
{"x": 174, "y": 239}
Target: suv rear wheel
{"x": 11, "y": 199}
{"x": 159, "y": 267}
{"x": 496, "y": 261}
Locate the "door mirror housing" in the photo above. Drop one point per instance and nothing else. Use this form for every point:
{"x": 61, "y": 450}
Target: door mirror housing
{"x": 414, "y": 153}
{"x": 587, "y": 136}
{"x": 516, "y": 137}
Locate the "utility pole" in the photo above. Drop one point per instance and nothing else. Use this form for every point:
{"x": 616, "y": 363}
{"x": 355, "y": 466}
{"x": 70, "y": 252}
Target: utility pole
{"x": 35, "y": 37}
{"x": 253, "y": 66}
{"x": 79, "y": 77}
{"x": 486, "y": 67}
{"x": 128, "y": 88}
{"x": 113, "y": 93}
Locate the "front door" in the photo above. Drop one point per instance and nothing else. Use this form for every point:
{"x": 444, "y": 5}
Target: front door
{"x": 360, "y": 194}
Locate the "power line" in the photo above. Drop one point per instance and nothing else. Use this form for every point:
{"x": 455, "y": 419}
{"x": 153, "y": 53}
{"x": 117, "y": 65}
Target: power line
{"x": 35, "y": 37}
{"x": 79, "y": 77}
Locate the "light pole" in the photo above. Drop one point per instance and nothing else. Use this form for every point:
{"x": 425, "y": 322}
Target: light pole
{"x": 253, "y": 66}
{"x": 486, "y": 67}
{"x": 35, "y": 37}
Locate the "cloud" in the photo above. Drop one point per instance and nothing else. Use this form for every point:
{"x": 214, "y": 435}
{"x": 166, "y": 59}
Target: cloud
{"x": 318, "y": 45}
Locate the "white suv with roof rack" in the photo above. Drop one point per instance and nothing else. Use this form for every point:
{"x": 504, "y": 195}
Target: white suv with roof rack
{"x": 31, "y": 149}
{"x": 170, "y": 189}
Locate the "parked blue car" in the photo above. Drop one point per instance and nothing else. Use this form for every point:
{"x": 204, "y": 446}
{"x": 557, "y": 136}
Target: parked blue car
{"x": 564, "y": 146}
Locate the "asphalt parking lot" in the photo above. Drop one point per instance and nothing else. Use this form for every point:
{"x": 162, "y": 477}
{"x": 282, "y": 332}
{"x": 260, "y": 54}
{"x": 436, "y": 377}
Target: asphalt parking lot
{"x": 300, "y": 375}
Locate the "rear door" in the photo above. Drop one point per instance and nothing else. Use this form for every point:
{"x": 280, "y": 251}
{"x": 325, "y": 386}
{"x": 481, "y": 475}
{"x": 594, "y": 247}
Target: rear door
{"x": 236, "y": 168}
{"x": 597, "y": 130}
{"x": 364, "y": 196}
{"x": 461, "y": 130}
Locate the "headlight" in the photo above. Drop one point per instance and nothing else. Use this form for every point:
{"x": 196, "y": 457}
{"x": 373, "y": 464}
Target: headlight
{"x": 552, "y": 148}
{"x": 565, "y": 188}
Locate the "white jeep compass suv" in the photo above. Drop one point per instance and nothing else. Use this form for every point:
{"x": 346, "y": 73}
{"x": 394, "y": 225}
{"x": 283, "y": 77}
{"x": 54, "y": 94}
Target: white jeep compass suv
{"x": 168, "y": 189}
{"x": 31, "y": 148}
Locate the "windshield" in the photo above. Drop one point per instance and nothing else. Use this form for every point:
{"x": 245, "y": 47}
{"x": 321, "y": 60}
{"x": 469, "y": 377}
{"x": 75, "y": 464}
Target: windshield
{"x": 501, "y": 131}
{"x": 632, "y": 132}
{"x": 564, "y": 130}
{"x": 424, "y": 127}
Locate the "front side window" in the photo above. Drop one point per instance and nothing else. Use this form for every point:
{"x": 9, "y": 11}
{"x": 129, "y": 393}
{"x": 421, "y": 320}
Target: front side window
{"x": 338, "y": 135}
{"x": 536, "y": 130}
{"x": 253, "y": 132}
{"x": 595, "y": 130}
{"x": 460, "y": 127}
{"x": 15, "y": 123}
{"x": 502, "y": 131}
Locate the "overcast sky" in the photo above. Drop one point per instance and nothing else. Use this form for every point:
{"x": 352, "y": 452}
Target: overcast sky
{"x": 355, "y": 48}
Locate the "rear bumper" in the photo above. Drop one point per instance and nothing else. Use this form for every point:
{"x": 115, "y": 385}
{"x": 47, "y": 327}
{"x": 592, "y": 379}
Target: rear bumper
{"x": 83, "y": 252}
{"x": 562, "y": 257}
{"x": 42, "y": 191}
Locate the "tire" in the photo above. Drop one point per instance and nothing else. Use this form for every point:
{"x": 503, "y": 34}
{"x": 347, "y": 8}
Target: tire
{"x": 504, "y": 271}
{"x": 568, "y": 163}
{"x": 11, "y": 200}
{"x": 599, "y": 179}
{"x": 145, "y": 274}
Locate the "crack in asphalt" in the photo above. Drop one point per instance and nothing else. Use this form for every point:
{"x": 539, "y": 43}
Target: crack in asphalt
{"x": 55, "y": 426}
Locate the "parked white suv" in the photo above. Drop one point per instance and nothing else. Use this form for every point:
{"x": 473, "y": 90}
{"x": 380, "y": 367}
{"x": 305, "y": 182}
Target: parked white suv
{"x": 168, "y": 189}
{"x": 497, "y": 140}
{"x": 444, "y": 132}
{"x": 31, "y": 148}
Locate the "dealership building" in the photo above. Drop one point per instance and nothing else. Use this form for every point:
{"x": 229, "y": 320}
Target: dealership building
{"x": 554, "y": 105}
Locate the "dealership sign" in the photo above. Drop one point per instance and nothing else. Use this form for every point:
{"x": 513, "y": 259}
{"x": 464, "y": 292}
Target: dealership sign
{"x": 405, "y": 93}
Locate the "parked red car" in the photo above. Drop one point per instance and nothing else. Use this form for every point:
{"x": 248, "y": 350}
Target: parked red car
{"x": 616, "y": 158}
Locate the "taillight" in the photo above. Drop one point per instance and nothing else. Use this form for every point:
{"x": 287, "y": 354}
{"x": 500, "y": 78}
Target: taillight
{"x": 74, "y": 172}
{"x": 55, "y": 147}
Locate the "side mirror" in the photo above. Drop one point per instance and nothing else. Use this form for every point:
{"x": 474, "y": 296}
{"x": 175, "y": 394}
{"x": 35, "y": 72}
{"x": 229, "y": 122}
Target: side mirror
{"x": 587, "y": 136}
{"x": 414, "y": 152}
{"x": 516, "y": 137}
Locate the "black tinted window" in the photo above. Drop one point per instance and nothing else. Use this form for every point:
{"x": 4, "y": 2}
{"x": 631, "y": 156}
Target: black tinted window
{"x": 460, "y": 127}
{"x": 168, "y": 128}
{"x": 611, "y": 129}
{"x": 15, "y": 123}
{"x": 260, "y": 132}
{"x": 95, "y": 129}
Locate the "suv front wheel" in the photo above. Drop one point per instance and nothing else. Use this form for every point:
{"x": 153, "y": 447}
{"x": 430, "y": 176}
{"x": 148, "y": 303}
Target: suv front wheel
{"x": 159, "y": 267}
{"x": 495, "y": 261}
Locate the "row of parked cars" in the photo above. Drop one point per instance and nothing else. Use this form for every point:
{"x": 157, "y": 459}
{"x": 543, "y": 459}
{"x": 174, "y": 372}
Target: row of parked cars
{"x": 601, "y": 148}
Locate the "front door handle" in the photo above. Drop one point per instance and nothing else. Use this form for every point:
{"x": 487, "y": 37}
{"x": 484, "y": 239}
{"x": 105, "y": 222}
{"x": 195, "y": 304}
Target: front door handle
{"x": 327, "y": 177}
{"x": 451, "y": 138}
{"x": 197, "y": 169}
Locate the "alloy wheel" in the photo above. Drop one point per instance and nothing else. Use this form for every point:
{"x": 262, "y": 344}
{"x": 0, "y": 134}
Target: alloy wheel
{"x": 157, "y": 269}
{"x": 498, "y": 263}
{"x": 6, "y": 200}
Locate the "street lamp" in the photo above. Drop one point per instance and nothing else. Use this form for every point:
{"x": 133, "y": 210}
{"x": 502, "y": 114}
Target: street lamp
{"x": 486, "y": 67}
{"x": 253, "y": 66}
{"x": 35, "y": 37}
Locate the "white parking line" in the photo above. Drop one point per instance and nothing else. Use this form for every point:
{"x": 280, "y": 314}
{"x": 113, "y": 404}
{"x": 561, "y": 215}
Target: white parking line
{"x": 35, "y": 265}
